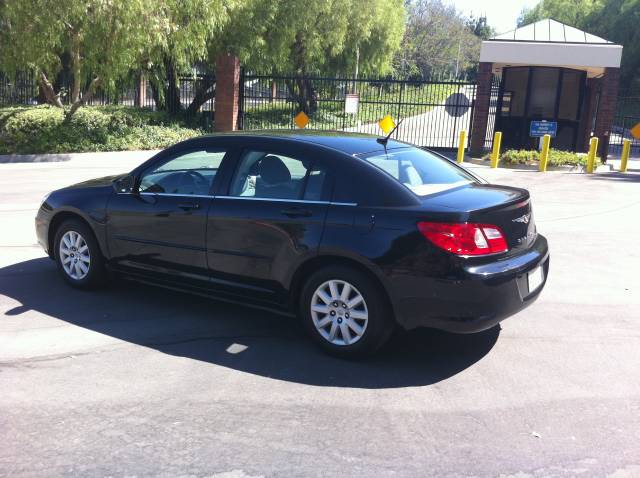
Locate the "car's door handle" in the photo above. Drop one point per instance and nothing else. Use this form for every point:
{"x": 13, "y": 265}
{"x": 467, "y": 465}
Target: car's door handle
{"x": 187, "y": 206}
{"x": 296, "y": 212}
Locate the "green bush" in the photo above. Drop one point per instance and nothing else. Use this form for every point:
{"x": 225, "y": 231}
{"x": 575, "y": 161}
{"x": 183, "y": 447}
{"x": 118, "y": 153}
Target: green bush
{"x": 532, "y": 157}
{"x": 41, "y": 129}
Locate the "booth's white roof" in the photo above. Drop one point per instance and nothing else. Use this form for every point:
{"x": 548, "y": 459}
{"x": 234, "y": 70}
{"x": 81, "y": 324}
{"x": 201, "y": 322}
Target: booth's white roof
{"x": 551, "y": 43}
{"x": 549, "y": 30}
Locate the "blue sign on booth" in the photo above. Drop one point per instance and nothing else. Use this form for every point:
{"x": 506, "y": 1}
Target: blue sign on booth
{"x": 539, "y": 128}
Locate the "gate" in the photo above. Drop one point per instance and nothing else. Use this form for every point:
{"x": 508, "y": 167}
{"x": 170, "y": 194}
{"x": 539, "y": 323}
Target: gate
{"x": 432, "y": 112}
{"x": 621, "y": 132}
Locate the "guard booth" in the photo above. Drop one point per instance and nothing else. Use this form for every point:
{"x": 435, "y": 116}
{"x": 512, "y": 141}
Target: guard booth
{"x": 554, "y": 79}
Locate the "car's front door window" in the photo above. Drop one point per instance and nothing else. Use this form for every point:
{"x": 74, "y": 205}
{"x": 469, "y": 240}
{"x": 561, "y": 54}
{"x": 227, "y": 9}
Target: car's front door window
{"x": 190, "y": 173}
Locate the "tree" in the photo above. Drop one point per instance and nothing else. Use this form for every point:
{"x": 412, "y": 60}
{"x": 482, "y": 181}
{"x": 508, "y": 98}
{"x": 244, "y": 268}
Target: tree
{"x": 100, "y": 38}
{"x": 438, "y": 40}
{"x": 301, "y": 38}
{"x": 618, "y": 21}
{"x": 185, "y": 28}
{"x": 570, "y": 12}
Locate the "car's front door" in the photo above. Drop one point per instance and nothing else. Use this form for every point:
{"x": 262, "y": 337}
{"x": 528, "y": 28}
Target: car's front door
{"x": 268, "y": 220}
{"x": 160, "y": 227}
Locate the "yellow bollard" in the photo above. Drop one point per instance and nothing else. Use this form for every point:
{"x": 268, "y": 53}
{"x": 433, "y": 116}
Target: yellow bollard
{"x": 544, "y": 154}
{"x": 495, "y": 154}
{"x": 626, "y": 149}
{"x": 461, "y": 146}
{"x": 591, "y": 157}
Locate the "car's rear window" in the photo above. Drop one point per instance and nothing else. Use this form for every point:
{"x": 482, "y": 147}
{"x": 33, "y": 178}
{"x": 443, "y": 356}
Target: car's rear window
{"x": 420, "y": 171}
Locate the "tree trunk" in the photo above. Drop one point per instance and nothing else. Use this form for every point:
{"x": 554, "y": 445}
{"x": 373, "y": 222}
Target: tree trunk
{"x": 75, "y": 69}
{"x": 93, "y": 86}
{"x": 48, "y": 91}
{"x": 172, "y": 96}
{"x": 158, "y": 99}
{"x": 204, "y": 91}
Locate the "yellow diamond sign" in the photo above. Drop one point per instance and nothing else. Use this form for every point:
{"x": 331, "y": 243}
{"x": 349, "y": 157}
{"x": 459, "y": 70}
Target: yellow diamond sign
{"x": 386, "y": 124}
{"x": 635, "y": 131}
{"x": 301, "y": 120}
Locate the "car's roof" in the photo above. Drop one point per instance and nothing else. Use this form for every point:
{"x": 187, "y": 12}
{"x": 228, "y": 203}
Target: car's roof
{"x": 349, "y": 143}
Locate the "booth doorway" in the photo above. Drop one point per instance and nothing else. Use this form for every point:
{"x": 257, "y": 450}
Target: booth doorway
{"x": 529, "y": 93}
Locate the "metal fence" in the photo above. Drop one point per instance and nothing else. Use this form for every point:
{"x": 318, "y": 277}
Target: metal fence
{"x": 627, "y": 116}
{"x": 432, "y": 112}
{"x": 22, "y": 89}
{"x": 18, "y": 89}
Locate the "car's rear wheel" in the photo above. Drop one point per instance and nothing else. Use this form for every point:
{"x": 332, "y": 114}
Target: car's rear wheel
{"x": 78, "y": 255}
{"x": 345, "y": 312}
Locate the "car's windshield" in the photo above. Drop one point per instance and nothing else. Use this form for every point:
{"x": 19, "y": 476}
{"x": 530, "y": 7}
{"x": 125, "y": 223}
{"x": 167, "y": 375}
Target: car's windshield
{"x": 420, "y": 171}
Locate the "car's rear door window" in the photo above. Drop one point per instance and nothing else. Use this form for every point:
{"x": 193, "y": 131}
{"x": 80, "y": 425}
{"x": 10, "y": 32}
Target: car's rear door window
{"x": 421, "y": 172}
{"x": 266, "y": 175}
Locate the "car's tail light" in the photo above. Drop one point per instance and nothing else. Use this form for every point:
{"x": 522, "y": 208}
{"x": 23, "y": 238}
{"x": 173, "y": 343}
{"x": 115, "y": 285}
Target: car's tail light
{"x": 465, "y": 239}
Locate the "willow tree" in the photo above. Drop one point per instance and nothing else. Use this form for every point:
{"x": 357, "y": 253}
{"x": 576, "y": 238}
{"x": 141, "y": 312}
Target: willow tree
{"x": 186, "y": 28}
{"x": 101, "y": 39}
{"x": 302, "y": 38}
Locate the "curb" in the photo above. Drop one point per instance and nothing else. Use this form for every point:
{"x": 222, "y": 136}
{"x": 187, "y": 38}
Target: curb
{"x": 63, "y": 157}
{"x": 602, "y": 168}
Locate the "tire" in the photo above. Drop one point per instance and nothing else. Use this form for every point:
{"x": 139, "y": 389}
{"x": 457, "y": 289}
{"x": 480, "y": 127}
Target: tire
{"x": 82, "y": 268}
{"x": 327, "y": 321}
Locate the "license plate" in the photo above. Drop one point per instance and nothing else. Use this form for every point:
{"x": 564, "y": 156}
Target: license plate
{"x": 535, "y": 278}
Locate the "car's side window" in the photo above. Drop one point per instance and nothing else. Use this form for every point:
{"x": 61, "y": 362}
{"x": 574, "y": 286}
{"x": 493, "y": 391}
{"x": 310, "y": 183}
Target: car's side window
{"x": 190, "y": 173}
{"x": 267, "y": 175}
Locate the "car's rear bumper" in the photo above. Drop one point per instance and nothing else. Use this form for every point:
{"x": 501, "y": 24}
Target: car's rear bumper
{"x": 479, "y": 298}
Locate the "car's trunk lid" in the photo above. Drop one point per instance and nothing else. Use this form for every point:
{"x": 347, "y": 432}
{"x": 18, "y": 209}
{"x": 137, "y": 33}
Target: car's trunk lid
{"x": 503, "y": 206}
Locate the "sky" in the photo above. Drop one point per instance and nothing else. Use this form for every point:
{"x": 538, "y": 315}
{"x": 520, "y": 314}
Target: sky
{"x": 501, "y": 14}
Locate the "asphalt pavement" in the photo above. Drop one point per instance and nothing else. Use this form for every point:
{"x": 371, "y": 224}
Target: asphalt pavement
{"x": 137, "y": 381}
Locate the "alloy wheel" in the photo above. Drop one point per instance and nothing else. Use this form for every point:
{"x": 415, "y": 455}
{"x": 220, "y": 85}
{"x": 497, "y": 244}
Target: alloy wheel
{"x": 339, "y": 312}
{"x": 75, "y": 257}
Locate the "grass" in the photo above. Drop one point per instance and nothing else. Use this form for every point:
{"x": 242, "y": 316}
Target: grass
{"x": 374, "y": 104}
{"x": 41, "y": 129}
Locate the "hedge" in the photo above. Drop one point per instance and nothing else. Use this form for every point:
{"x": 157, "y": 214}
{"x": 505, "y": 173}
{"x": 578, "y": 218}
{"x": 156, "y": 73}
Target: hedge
{"x": 41, "y": 129}
{"x": 532, "y": 157}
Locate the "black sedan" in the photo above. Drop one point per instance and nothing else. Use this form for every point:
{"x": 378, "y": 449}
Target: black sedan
{"x": 352, "y": 233}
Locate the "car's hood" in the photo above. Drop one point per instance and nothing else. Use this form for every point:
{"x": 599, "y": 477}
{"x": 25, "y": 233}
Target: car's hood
{"x": 97, "y": 182}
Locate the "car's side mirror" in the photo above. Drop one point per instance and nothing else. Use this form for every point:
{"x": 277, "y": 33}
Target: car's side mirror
{"x": 125, "y": 184}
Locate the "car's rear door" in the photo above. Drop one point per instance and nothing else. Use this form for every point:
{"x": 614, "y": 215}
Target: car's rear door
{"x": 160, "y": 227}
{"x": 267, "y": 220}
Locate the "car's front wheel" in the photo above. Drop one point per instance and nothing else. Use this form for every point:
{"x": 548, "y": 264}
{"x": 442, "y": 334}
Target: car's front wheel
{"x": 345, "y": 312}
{"x": 78, "y": 255}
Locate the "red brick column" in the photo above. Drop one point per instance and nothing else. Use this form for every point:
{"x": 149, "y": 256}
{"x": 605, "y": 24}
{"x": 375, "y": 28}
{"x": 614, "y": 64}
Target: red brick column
{"x": 607, "y": 108}
{"x": 481, "y": 108}
{"x": 227, "y": 92}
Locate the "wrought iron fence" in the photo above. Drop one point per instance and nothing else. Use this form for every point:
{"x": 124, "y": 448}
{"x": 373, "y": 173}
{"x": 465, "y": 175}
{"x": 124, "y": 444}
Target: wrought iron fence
{"x": 627, "y": 116}
{"x": 493, "y": 110}
{"x": 18, "y": 89}
{"x": 22, "y": 89}
{"x": 432, "y": 112}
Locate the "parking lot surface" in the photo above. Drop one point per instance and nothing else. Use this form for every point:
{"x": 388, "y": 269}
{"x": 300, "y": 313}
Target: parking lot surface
{"x": 133, "y": 380}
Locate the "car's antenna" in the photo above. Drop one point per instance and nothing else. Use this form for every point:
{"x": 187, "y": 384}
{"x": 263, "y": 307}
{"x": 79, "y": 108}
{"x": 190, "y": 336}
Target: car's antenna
{"x": 385, "y": 140}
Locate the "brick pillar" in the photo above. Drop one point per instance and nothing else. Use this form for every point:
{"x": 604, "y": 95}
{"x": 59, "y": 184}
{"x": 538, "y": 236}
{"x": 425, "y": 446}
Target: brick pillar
{"x": 607, "y": 108}
{"x": 227, "y": 92}
{"x": 141, "y": 97}
{"x": 481, "y": 108}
